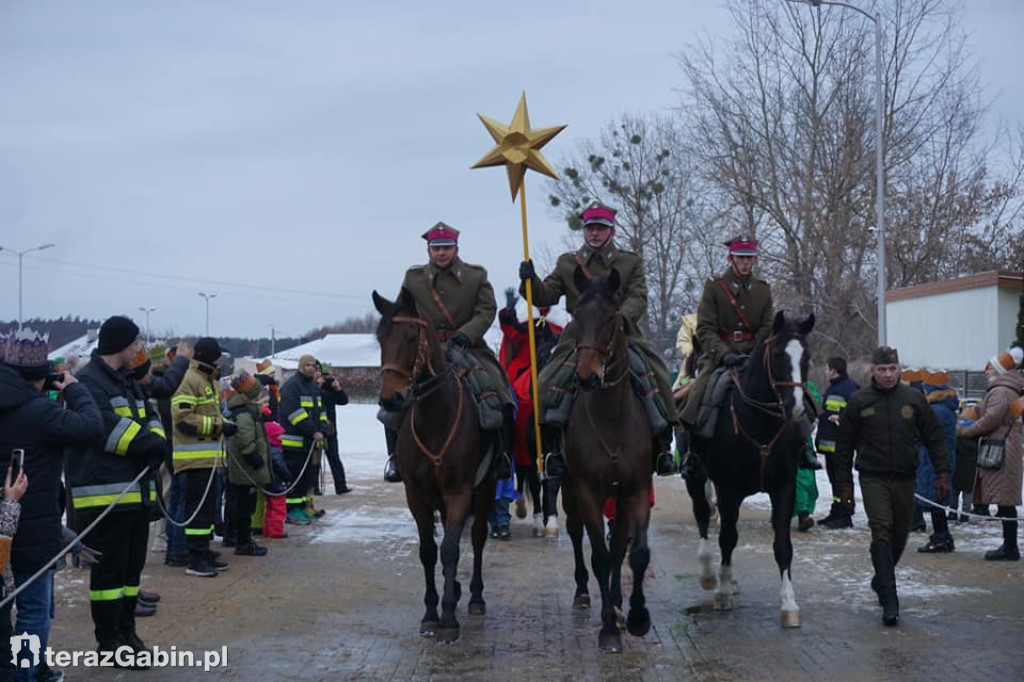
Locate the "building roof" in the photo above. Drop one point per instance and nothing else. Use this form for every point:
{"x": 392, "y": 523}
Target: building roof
{"x": 338, "y": 350}
{"x": 992, "y": 278}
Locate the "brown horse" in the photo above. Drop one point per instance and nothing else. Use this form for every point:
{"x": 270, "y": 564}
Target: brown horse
{"x": 608, "y": 445}
{"x": 440, "y": 449}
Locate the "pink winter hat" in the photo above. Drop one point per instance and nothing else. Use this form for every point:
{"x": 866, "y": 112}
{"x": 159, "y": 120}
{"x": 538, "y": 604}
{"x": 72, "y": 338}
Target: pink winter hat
{"x": 274, "y": 432}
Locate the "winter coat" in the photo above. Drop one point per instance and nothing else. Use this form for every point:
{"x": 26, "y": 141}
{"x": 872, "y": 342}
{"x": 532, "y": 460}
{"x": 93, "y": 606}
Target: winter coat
{"x": 42, "y": 428}
{"x": 1000, "y": 486}
{"x": 885, "y": 427}
{"x": 250, "y": 438}
{"x": 720, "y": 329}
{"x": 195, "y": 411}
{"x": 302, "y": 411}
{"x": 944, "y": 404}
{"x": 839, "y": 391}
{"x": 133, "y": 439}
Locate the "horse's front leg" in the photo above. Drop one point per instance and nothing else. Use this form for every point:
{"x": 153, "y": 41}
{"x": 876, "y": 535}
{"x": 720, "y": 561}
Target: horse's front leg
{"x": 639, "y": 517}
{"x": 729, "y": 513}
{"x": 574, "y": 526}
{"x": 783, "y": 502}
{"x": 457, "y": 505}
{"x": 697, "y": 488}
{"x": 484, "y": 505}
{"x": 609, "y": 639}
{"x": 423, "y": 514}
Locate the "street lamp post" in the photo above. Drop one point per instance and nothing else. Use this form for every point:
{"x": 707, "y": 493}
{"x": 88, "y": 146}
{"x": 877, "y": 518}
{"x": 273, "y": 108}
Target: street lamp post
{"x": 21, "y": 255}
{"x": 207, "y": 297}
{"x": 876, "y": 19}
{"x": 147, "y": 311}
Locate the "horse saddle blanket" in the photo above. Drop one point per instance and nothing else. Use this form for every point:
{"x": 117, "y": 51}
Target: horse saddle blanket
{"x": 715, "y": 395}
{"x": 480, "y": 385}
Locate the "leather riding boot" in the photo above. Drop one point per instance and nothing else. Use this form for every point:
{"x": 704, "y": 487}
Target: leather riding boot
{"x": 391, "y": 474}
{"x": 665, "y": 464}
{"x": 502, "y": 466}
{"x": 884, "y": 583}
{"x": 808, "y": 460}
{"x": 690, "y": 465}
{"x": 554, "y": 465}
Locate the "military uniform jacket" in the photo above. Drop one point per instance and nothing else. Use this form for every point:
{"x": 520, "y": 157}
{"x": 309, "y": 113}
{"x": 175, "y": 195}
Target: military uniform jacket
{"x": 133, "y": 438}
{"x": 720, "y": 329}
{"x": 836, "y": 398}
{"x": 195, "y": 411}
{"x": 885, "y": 427}
{"x": 465, "y": 292}
{"x": 632, "y": 294}
{"x": 302, "y": 411}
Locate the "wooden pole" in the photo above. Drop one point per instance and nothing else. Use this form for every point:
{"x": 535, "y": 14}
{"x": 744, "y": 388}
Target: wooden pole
{"x": 530, "y": 332}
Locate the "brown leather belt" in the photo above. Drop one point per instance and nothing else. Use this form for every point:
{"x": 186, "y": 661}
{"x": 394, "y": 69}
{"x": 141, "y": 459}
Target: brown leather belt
{"x": 444, "y": 334}
{"x": 737, "y": 336}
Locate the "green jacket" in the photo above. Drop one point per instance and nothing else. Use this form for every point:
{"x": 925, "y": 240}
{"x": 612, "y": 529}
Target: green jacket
{"x": 466, "y": 294}
{"x": 561, "y": 282}
{"x": 716, "y": 316}
{"x": 885, "y": 427}
{"x": 251, "y": 437}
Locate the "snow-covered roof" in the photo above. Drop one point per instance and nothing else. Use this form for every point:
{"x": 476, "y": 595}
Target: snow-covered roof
{"x": 337, "y": 350}
{"x": 82, "y": 347}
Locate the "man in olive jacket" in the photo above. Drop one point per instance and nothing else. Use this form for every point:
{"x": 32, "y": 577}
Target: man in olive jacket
{"x": 599, "y": 255}
{"x": 884, "y": 423}
{"x": 458, "y": 301}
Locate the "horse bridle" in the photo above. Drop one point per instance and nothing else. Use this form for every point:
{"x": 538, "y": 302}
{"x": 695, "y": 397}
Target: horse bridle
{"x": 765, "y": 449}
{"x": 606, "y": 352}
{"x": 422, "y": 352}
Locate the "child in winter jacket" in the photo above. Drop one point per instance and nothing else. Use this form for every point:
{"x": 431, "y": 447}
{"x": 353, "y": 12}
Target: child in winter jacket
{"x": 273, "y": 519}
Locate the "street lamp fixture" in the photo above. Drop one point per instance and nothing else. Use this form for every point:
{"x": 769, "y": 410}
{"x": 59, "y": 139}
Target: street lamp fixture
{"x": 21, "y": 255}
{"x": 147, "y": 311}
{"x": 876, "y": 19}
{"x": 207, "y": 297}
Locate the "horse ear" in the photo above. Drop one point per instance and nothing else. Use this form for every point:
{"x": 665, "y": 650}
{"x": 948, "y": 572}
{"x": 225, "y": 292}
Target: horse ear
{"x": 405, "y": 300}
{"x": 614, "y": 281}
{"x": 805, "y": 326}
{"x": 580, "y": 279}
{"x": 382, "y": 304}
{"x": 779, "y": 322}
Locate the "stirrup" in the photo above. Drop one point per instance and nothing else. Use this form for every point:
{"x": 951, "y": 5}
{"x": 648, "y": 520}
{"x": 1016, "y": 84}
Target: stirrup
{"x": 554, "y": 465}
{"x": 665, "y": 465}
{"x": 391, "y": 474}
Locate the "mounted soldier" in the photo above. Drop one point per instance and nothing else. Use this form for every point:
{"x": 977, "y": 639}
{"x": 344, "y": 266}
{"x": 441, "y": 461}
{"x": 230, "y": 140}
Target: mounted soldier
{"x": 735, "y": 312}
{"x": 599, "y": 255}
{"x": 458, "y": 301}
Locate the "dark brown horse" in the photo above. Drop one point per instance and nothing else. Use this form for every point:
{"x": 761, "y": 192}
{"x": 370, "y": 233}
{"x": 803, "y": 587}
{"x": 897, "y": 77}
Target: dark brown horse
{"x": 440, "y": 449}
{"x": 756, "y": 447}
{"x": 608, "y": 444}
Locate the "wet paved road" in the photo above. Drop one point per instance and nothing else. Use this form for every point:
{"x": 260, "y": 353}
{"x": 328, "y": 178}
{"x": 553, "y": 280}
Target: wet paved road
{"x": 342, "y": 600}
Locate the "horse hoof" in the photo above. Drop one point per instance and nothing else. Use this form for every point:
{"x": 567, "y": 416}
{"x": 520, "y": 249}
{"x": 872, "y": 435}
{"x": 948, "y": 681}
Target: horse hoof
{"x": 734, "y": 587}
{"x": 620, "y": 619}
{"x": 581, "y": 602}
{"x": 790, "y": 619}
{"x": 448, "y": 635}
{"x": 477, "y": 608}
{"x": 709, "y": 583}
{"x": 428, "y": 628}
{"x": 639, "y": 622}
{"x": 723, "y": 602}
{"x": 609, "y": 642}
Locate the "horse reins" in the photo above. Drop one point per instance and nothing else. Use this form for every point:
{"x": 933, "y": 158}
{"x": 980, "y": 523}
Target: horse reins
{"x": 764, "y": 449}
{"x": 432, "y": 383}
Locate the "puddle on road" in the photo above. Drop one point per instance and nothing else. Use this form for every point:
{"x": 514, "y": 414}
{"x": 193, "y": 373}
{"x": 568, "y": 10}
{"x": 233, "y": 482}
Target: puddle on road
{"x": 366, "y": 526}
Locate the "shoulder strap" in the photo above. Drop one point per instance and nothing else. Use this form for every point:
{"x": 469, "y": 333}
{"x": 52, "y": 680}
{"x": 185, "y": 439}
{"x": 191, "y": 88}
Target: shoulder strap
{"x": 736, "y": 306}
{"x": 439, "y": 302}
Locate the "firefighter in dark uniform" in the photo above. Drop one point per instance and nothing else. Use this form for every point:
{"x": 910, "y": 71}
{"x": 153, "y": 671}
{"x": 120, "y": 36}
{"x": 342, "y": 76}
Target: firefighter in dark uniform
{"x": 884, "y": 423}
{"x": 840, "y": 388}
{"x": 305, "y": 430}
{"x": 134, "y": 439}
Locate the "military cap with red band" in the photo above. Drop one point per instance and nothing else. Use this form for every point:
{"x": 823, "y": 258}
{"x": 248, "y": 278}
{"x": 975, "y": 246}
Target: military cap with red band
{"x": 742, "y": 247}
{"x": 442, "y": 235}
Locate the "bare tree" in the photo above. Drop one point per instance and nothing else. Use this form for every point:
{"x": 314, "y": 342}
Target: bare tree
{"x": 782, "y": 127}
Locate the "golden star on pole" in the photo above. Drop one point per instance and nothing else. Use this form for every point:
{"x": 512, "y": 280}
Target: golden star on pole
{"x": 518, "y": 146}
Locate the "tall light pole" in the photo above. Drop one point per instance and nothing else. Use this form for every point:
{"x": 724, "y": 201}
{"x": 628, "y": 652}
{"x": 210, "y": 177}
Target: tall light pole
{"x": 147, "y": 311}
{"x": 207, "y": 297}
{"x": 876, "y": 19}
{"x": 21, "y": 255}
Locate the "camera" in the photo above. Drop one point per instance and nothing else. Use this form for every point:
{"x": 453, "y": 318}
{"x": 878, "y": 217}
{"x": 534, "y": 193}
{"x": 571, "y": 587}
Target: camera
{"x": 51, "y": 378}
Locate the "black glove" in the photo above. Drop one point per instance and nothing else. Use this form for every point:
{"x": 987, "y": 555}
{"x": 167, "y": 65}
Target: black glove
{"x": 461, "y": 340}
{"x": 510, "y": 297}
{"x": 526, "y": 270}
{"x": 507, "y": 316}
{"x": 253, "y": 460}
{"x": 228, "y": 428}
{"x": 266, "y": 380}
{"x": 731, "y": 359}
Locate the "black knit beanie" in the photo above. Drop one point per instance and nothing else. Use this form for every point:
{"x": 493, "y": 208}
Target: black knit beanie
{"x": 116, "y": 334}
{"x": 207, "y": 350}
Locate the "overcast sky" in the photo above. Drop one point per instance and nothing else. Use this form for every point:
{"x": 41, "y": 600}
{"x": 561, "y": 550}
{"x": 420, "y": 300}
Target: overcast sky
{"x": 255, "y": 149}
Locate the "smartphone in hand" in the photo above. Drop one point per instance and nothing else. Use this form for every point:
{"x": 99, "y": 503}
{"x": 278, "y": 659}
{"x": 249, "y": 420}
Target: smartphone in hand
{"x": 17, "y": 463}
